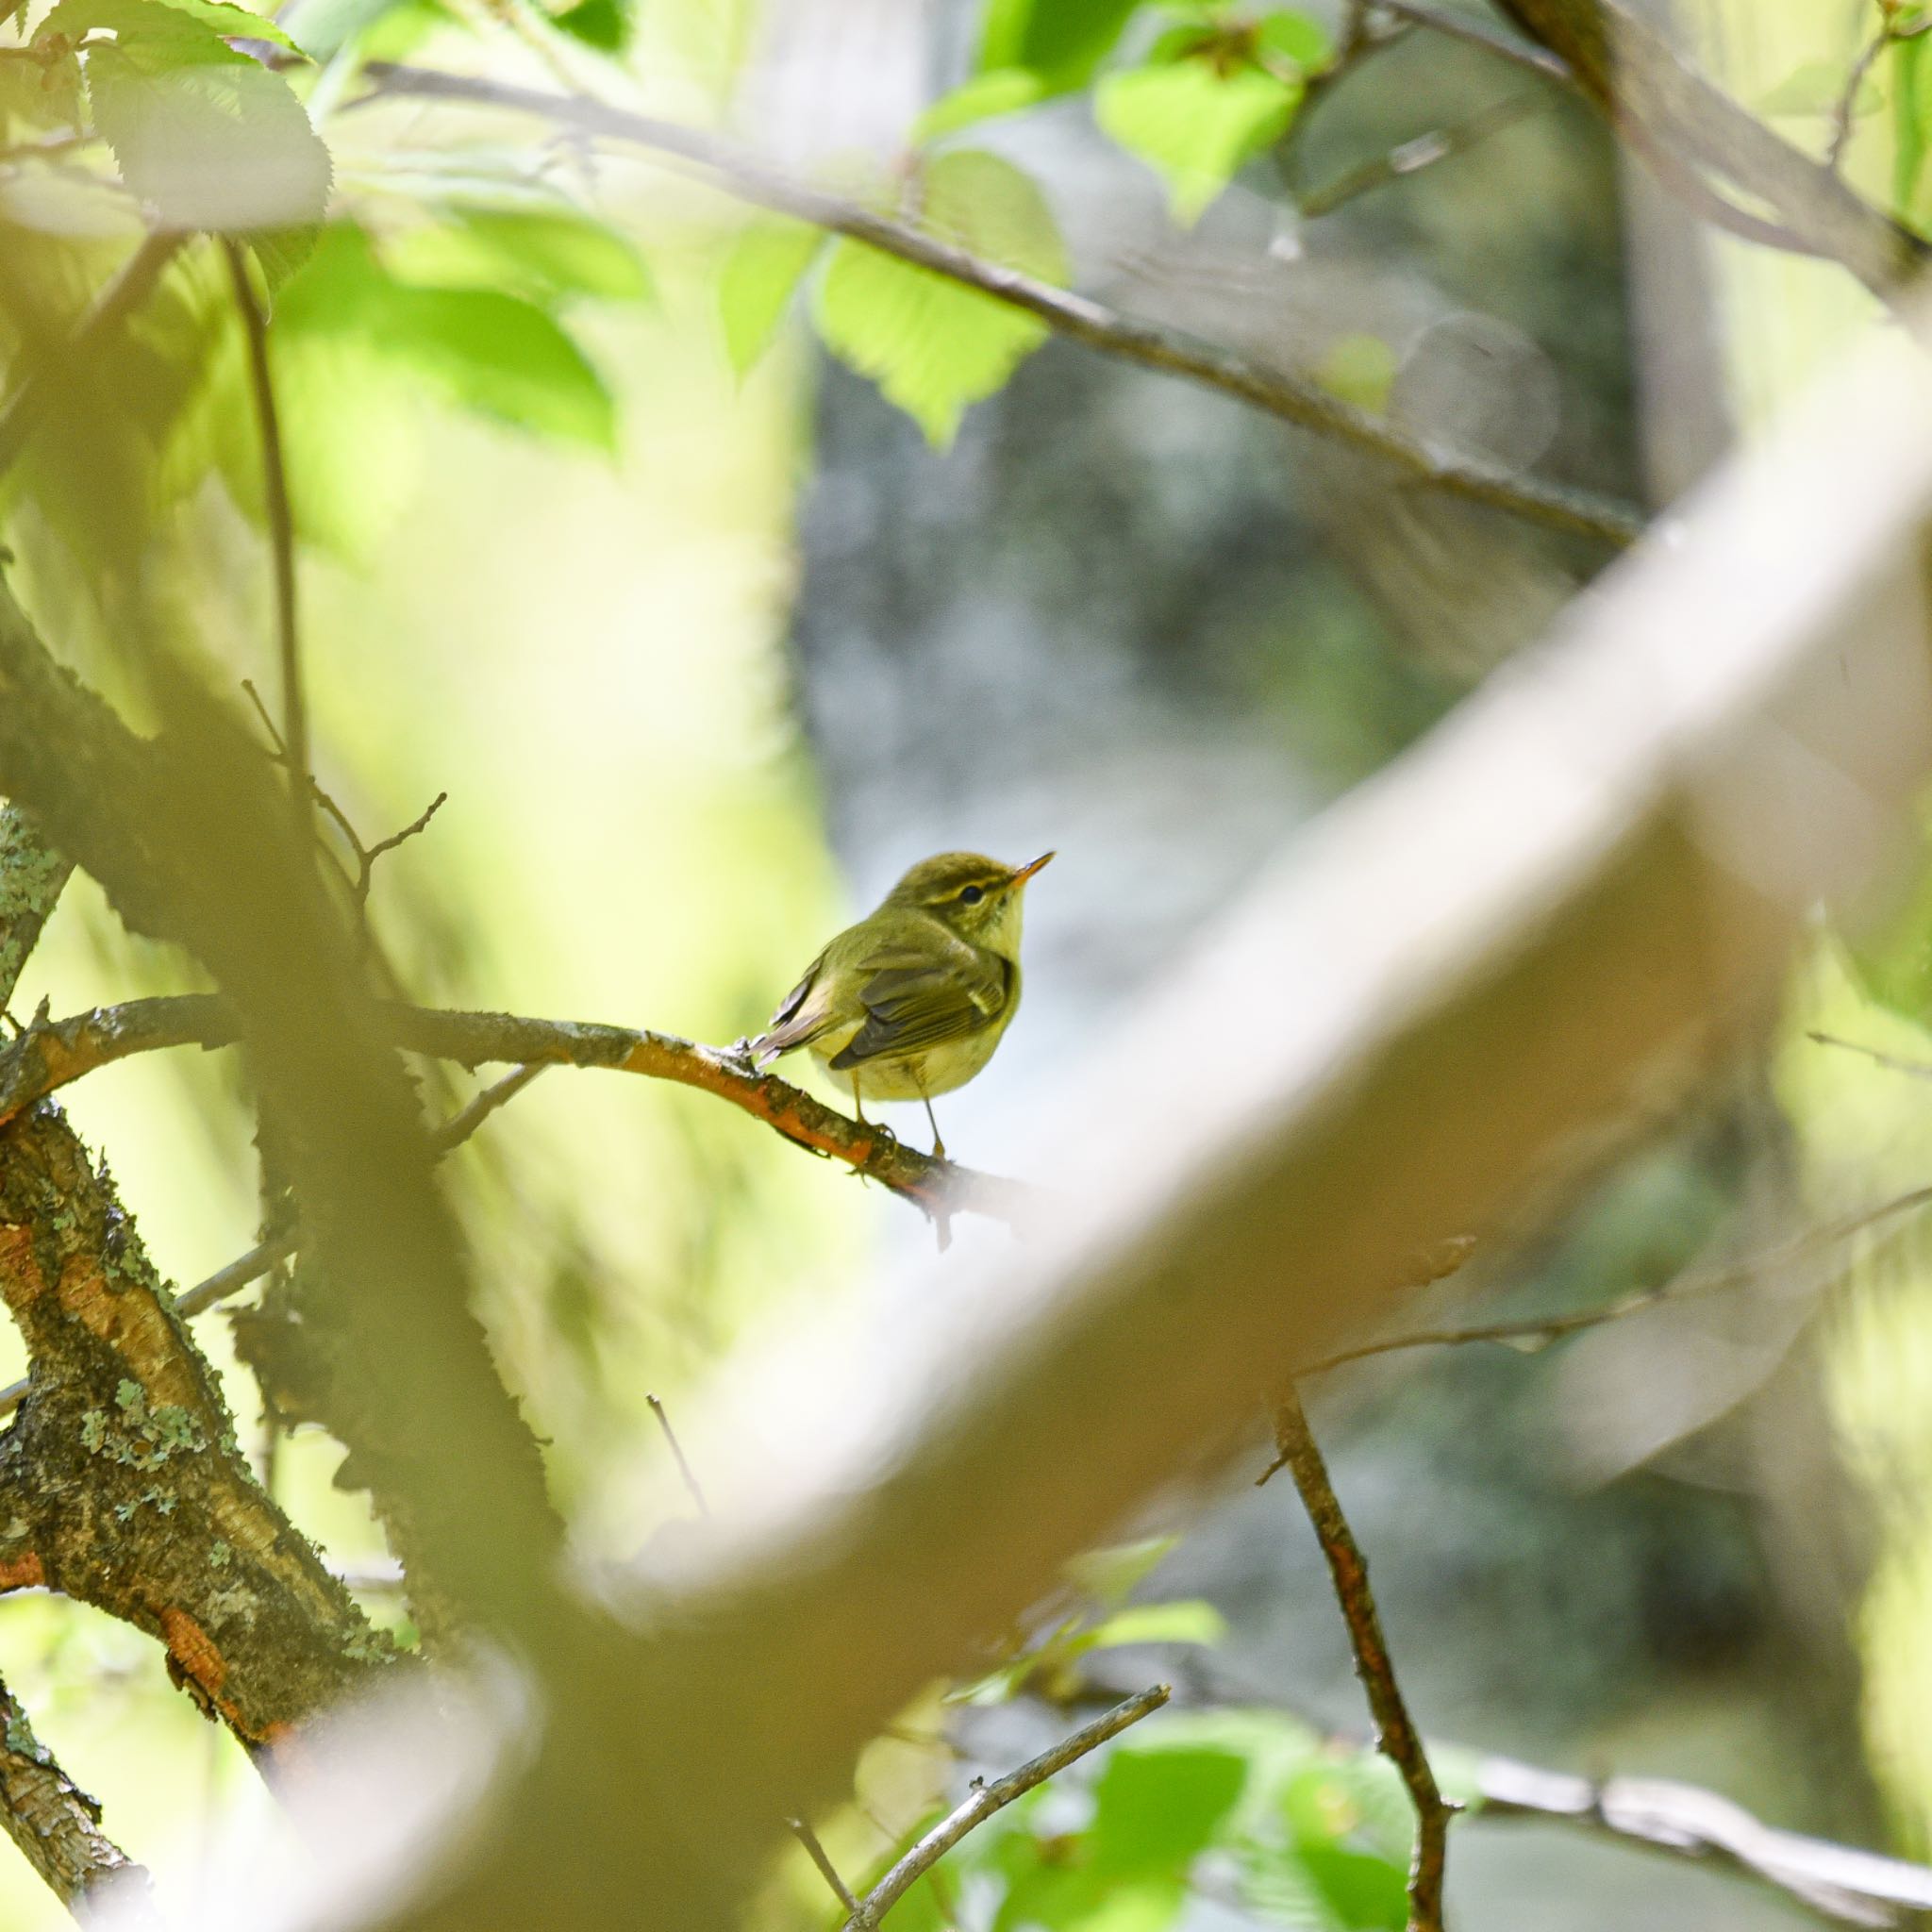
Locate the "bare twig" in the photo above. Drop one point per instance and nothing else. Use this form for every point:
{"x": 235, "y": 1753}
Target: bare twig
{"x": 365, "y": 856}
{"x": 57, "y": 1827}
{"x": 281, "y": 527}
{"x": 1412, "y": 157}
{"x": 1847, "y": 108}
{"x": 1919, "y": 1069}
{"x": 47, "y": 1056}
{"x": 1077, "y": 317}
{"x": 987, "y": 1798}
{"x": 1396, "y": 1736}
{"x": 257, "y": 1262}
{"x": 818, "y": 1854}
{"x": 684, "y": 1468}
{"x": 128, "y": 288}
{"x": 1543, "y": 1329}
{"x": 1856, "y": 1888}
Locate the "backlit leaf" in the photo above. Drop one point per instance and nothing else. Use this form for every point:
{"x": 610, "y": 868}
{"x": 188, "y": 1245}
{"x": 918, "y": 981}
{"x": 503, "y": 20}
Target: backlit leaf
{"x": 932, "y": 345}
{"x": 767, "y": 260}
{"x": 543, "y": 253}
{"x": 1194, "y": 125}
{"x": 1004, "y": 90}
{"x": 1061, "y": 41}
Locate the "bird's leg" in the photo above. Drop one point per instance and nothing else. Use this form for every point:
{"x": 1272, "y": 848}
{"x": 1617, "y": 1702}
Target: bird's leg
{"x": 939, "y": 1145}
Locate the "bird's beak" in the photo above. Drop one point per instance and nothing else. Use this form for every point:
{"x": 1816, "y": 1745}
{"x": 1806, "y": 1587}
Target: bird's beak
{"x": 1027, "y": 872}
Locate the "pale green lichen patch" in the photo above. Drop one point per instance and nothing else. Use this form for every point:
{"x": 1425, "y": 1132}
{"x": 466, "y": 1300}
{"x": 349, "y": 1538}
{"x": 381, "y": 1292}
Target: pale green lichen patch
{"x": 20, "y": 1739}
{"x": 141, "y": 1437}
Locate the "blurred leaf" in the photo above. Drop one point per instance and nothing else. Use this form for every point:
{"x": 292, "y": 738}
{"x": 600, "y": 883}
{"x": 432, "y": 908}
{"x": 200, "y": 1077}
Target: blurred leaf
{"x": 543, "y": 253}
{"x": 486, "y": 350}
{"x": 280, "y": 252}
{"x": 134, "y": 19}
{"x": 1157, "y": 1810}
{"x": 1297, "y": 37}
{"x": 767, "y": 260}
{"x": 1892, "y": 960}
{"x": 209, "y": 137}
{"x": 1361, "y": 1890}
{"x": 1061, "y": 41}
{"x": 1112, "y": 1575}
{"x": 1360, "y": 369}
{"x": 40, "y": 95}
{"x": 1357, "y": 1797}
{"x": 1004, "y": 90}
{"x": 1185, "y": 1621}
{"x": 1194, "y": 125}
{"x": 324, "y": 27}
{"x": 1912, "y": 81}
{"x": 605, "y": 24}
{"x": 1816, "y": 87}
{"x": 932, "y": 345}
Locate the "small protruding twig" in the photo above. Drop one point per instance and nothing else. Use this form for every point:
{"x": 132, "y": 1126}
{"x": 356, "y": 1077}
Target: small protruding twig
{"x": 281, "y": 527}
{"x": 817, "y": 1853}
{"x": 1847, "y": 108}
{"x": 1396, "y": 1736}
{"x": 684, "y": 1468}
{"x": 1892, "y": 1062}
{"x": 985, "y": 1799}
{"x": 1411, "y": 157}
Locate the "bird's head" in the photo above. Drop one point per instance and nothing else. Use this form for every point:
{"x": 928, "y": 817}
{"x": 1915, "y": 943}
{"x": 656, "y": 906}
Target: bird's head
{"x": 976, "y": 897}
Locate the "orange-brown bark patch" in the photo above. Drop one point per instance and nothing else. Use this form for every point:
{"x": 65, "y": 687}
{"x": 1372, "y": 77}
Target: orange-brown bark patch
{"x": 22, "y": 1572}
{"x": 133, "y": 1326}
{"x": 20, "y": 1274}
{"x": 191, "y": 1647}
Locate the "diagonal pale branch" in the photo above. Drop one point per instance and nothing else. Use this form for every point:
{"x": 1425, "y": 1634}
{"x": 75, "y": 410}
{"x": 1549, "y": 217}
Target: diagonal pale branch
{"x": 50, "y": 1055}
{"x": 1078, "y": 318}
{"x": 1397, "y": 1736}
{"x": 57, "y": 1829}
{"x": 31, "y": 880}
{"x": 987, "y": 1798}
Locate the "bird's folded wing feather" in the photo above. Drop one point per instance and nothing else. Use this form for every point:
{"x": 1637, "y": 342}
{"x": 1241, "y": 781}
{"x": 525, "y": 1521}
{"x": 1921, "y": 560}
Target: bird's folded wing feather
{"x": 800, "y": 1016}
{"x": 916, "y": 999}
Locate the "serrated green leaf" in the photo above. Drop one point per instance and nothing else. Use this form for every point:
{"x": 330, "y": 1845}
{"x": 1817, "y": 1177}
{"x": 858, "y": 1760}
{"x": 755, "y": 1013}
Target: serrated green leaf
{"x": 1157, "y": 1810}
{"x": 1194, "y": 125}
{"x": 1061, "y": 41}
{"x": 1186, "y": 1621}
{"x": 932, "y": 345}
{"x": 543, "y": 253}
{"x": 209, "y": 137}
{"x": 137, "y": 19}
{"x": 1113, "y": 1574}
{"x": 1004, "y": 90}
{"x": 767, "y": 260}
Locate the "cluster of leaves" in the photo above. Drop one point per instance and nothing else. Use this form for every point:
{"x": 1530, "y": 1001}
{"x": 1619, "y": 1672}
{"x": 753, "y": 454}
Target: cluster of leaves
{"x": 1248, "y": 1808}
{"x": 1195, "y": 91}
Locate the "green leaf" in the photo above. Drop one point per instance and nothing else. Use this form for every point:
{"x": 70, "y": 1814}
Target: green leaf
{"x": 1112, "y": 1575}
{"x": 1296, "y": 37}
{"x": 209, "y": 137}
{"x": 1816, "y": 87}
{"x": 932, "y": 345}
{"x": 1004, "y": 90}
{"x": 767, "y": 260}
{"x": 326, "y": 26}
{"x": 601, "y": 24}
{"x": 280, "y": 253}
{"x": 1061, "y": 41}
{"x": 1195, "y": 126}
{"x": 1157, "y": 1810}
{"x": 73, "y": 18}
{"x": 1910, "y": 72}
{"x": 484, "y": 350}
{"x": 1182, "y": 1622}
{"x": 1361, "y": 1890}
{"x": 543, "y": 253}
{"x": 1359, "y": 369}
{"x": 36, "y": 94}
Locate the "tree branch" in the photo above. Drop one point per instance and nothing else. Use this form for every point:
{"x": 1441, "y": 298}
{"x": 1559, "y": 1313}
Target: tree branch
{"x": 1858, "y": 1888}
{"x": 1076, "y": 317}
{"x": 281, "y": 529}
{"x": 987, "y": 1799}
{"x": 1541, "y": 1329}
{"x": 57, "y": 1829}
{"x": 51, "y": 1054}
{"x": 31, "y": 880}
{"x": 1396, "y": 1736}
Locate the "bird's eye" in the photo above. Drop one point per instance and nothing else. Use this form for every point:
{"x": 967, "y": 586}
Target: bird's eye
{"x": 972, "y": 896}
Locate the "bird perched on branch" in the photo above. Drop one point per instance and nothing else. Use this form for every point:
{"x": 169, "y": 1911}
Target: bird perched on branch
{"x": 912, "y": 1000}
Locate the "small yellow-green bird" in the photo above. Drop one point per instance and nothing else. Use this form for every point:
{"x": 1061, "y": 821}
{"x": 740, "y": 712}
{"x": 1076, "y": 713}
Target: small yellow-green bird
{"x": 912, "y": 1000}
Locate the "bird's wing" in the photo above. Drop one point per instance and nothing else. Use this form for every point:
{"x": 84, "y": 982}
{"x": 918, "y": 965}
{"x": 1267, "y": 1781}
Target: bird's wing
{"x": 802, "y": 1015}
{"x": 915, "y": 999}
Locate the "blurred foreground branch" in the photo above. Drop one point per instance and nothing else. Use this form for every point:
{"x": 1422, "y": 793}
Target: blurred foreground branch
{"x": 50, "y": 1055}
{"x": 1397, "y": 1736}
{"x": 1078, "y": 318}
